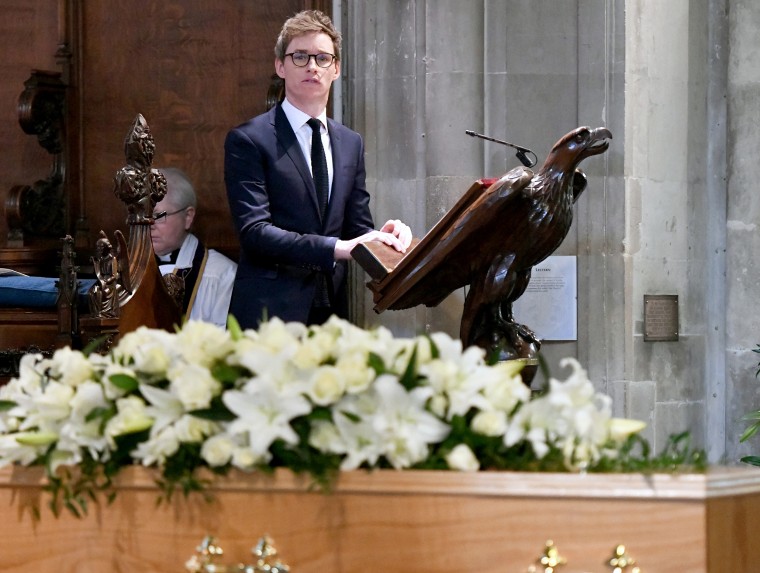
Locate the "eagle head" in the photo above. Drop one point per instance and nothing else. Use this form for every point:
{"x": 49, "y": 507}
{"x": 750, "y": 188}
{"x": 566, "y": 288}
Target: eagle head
{"x": 576, "y": 146}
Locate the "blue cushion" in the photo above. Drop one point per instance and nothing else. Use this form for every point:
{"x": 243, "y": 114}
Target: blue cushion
{"x": 39, "y": 292}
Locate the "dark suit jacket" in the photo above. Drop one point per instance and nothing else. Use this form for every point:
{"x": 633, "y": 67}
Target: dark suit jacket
{"x": 283, "y": 242}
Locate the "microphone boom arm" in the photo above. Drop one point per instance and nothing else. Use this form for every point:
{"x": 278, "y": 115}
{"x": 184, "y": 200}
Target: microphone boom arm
{"x": 521, "y": 151}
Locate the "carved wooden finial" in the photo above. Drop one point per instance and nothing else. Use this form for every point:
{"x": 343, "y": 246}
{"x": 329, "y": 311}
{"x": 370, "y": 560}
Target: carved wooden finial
{"x": 139, "y": 146}
{"x": 137, "y": 184}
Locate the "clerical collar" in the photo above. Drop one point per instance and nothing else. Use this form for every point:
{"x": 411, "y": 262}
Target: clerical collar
{"x": 171, "y": 258}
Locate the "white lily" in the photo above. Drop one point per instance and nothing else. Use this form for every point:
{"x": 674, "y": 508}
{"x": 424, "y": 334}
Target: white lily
{"x": 353, "y": 417}
{"x": 48, "y": 408}
{"x": 160, "y": 446}
{"x": 24, "y": 452}
{"x": 131, "y": 416}
{"x": 621, "y": 428}
{"x": 77, "y": 431}
{"x": 264, "y": 415}
{"x": 165, "y": 407}
{"x": 404, "y": 424}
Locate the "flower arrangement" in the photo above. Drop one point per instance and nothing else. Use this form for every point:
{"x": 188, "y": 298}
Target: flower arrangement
{"x": 313, "y": 399}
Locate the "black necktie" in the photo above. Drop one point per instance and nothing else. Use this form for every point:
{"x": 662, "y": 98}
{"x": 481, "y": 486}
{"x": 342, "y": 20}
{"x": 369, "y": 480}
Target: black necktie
{"x": 322, "y": 183}
{"x": 319, "y": 165}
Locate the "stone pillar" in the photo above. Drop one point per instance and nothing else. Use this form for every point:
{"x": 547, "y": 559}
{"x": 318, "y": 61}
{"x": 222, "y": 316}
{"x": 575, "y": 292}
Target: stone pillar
{"x": 742, "y": 272}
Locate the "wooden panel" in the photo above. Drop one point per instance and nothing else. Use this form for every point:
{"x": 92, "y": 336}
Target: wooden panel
{"x": 733, "y": 524}
{"x": 433, "y": 522}
{"x": 28, "y": 40}
{"x": 194, "y": 69}
{"x": 31, "y": 260}
{"x": 23, "y": 331}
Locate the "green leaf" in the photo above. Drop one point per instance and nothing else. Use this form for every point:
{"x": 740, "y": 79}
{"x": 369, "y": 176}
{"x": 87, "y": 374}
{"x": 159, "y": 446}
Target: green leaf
{"x": 125, "y": 444}
{"x": 6, "y": 405}
{"x": 751, "y": 460}
{"x": 68, "y": 504}
{"x": 36, "y": 438}
{"x": 226, "y": 373}
{"x": 99, "y": 413}
{"x": 217, "y": 412}
{"x": 351, "y": 416}
{"x": 435, "y": 352}
{"x": 124, "y": 382}
{"x": 376, "y": 363}
{"x": 409, "y": 378}
{"x": 752, "y": 416}
{"x": 492, "y": 357}
{"x": 95, "y": 345}
{"x": 543, "y": 366}
{"x": 749, "y": 432}
{"x": 233, "y": 327}
{"x": 320, "y": 413}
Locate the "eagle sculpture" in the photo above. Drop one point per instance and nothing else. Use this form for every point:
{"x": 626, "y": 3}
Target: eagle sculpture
{"x": 491, "y": 240}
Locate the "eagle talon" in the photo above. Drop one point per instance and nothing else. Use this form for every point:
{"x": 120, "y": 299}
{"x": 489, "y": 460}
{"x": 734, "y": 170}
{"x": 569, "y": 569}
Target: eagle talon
{"x": 527, "y": 334}
{"x": 503, "y": 338}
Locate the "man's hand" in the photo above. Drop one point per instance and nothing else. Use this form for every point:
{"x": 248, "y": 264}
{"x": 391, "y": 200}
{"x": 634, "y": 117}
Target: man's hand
{"x": 399, "y": 230}
{"x": 393, "y": 233}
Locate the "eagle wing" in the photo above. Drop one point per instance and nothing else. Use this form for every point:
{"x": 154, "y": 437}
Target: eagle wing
{"x": 446, "y": 258}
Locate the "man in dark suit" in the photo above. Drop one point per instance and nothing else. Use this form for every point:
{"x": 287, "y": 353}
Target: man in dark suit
{"x": 295, "y": 242}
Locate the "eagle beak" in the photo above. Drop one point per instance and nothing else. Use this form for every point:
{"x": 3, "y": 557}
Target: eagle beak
{"x": 602, "y": 133}
{"x": 599, "y": 140}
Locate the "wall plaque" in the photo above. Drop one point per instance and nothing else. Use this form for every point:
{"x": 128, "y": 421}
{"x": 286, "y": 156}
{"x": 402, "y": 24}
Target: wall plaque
{"x": 660, "y": 317}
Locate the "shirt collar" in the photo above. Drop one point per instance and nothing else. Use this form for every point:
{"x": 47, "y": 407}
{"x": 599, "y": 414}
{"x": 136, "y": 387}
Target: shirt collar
{"x": 298, "y": 119}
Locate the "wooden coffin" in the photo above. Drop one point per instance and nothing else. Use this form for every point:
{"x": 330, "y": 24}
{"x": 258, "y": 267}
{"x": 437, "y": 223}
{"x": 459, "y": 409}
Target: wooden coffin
{"x": 387, "y": 521}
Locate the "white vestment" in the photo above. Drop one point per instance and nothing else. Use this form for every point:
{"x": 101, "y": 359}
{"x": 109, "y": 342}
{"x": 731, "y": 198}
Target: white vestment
{"x": 212, "y": 300}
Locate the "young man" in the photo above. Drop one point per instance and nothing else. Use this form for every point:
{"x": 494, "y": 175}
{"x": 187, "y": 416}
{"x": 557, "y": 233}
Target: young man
{"x": 294, "y": 248}
{"x": 207, "y": 274}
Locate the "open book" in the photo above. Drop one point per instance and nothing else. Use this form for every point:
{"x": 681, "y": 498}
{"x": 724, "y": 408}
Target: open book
{"x": 395, "y": 275}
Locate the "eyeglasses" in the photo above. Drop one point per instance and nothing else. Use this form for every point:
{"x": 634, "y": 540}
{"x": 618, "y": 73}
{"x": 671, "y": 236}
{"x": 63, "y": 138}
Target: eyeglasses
{"x": 161, "y": 217}
{"x": 301, "y": 59}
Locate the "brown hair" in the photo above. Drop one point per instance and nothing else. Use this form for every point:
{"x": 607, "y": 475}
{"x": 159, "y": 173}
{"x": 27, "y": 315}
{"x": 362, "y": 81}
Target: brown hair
{"x": 304, "y": 23}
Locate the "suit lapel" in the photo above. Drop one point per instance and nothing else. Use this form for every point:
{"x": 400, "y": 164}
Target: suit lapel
{"x": 289, "y": 142}
{"x": 339, "y": 183}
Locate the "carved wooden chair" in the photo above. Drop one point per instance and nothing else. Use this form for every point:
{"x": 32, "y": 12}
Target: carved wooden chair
{"x": 39, "y": 314}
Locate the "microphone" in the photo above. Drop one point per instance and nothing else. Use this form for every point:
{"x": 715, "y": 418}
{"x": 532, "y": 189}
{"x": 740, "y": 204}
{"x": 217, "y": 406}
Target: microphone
{"x": 522, "y": 152}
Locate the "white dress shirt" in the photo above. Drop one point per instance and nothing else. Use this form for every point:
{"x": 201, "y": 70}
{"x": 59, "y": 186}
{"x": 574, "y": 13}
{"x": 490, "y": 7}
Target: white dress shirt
{"x": 303, "y": 132}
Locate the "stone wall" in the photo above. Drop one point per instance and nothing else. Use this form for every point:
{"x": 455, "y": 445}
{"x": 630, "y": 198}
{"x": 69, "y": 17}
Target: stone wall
{"x": 418, "y": 74}
{"x": 670, "y": 208}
